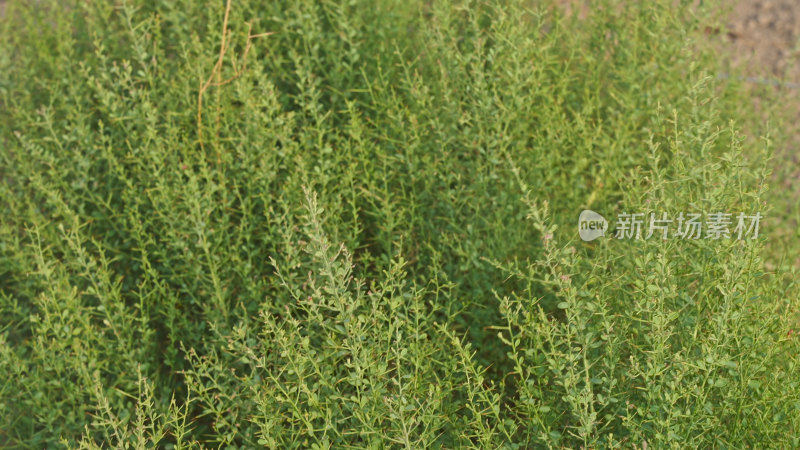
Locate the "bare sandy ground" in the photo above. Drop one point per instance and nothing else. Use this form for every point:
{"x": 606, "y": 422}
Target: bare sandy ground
{"x": 762, "y": 36}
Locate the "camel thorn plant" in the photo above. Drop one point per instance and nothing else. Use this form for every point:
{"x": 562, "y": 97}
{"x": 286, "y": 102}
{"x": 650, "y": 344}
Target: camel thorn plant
{"x": 377, "y": 245}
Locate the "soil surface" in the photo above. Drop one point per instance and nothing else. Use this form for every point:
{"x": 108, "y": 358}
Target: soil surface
{"x": 762, "y": 36}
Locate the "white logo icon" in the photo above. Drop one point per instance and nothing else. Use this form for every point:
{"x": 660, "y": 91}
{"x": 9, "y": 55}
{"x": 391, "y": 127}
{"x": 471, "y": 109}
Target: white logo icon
{"x": 591, "y": 225}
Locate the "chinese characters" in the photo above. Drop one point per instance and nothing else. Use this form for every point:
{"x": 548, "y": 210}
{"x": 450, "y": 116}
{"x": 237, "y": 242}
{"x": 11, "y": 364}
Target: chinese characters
{"x": 713, "y": 226}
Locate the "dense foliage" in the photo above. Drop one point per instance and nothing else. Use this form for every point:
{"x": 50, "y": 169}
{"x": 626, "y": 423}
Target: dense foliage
{"x": 353, "y": 224}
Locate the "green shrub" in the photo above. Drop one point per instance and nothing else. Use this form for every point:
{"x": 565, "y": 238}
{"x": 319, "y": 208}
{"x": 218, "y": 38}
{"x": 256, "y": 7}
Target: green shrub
{"x": 359, "y": 230}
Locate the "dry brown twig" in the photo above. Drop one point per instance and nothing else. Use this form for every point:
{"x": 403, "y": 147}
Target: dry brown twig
{"x": 216, "y": 73}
